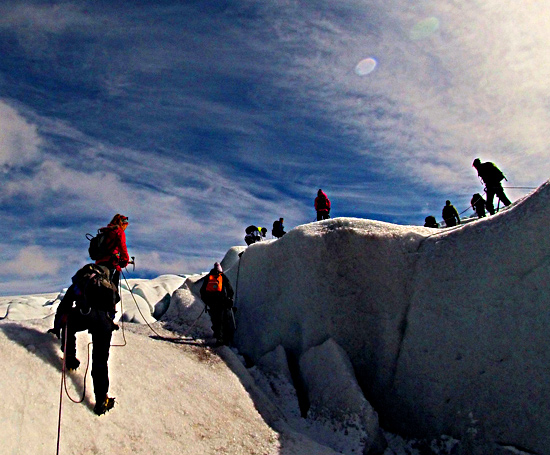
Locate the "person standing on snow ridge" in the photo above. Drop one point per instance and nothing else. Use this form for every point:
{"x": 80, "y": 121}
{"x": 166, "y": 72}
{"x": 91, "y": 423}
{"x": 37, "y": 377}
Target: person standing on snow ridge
{"x": 89, "y": 304}
{"x": 117, "y": 257}
{"x": 322, "y": 205}
{"x": 478, "y": 204}
{"x": 450, "y": 214}
{"x": 217, "y": 294}
{"x": 278, "y": 229}
{"x": 491, "y": 177}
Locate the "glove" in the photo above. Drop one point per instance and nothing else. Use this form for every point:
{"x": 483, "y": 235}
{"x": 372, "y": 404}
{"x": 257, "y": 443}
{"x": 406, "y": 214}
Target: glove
{"x": 56, "y": 331}
{"x": 229, "y": 304}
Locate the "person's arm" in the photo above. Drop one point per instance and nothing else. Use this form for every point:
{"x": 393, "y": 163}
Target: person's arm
{"x": 124, "y": 258}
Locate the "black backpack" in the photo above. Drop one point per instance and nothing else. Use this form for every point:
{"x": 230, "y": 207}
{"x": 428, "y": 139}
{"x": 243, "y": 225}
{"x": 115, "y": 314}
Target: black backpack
{"x": 92, "y": 286}
{"x": 98, "y": 245}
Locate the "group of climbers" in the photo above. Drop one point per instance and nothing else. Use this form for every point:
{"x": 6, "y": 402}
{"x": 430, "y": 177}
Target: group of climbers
{"x": 90, "y": 301}
{"x": 491, "y": 176}
{"x": 255, "y": 234}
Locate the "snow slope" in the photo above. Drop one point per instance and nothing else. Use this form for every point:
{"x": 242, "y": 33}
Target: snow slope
{"x": 447, "y": 330}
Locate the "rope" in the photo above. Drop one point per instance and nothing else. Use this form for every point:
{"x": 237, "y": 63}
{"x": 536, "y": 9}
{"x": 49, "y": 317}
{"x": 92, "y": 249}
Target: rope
{"x": 61, "y": 391}
{"x": 161, "y": 337}
{"x": 519, "y": 187}
{"x": 238, "y": 272}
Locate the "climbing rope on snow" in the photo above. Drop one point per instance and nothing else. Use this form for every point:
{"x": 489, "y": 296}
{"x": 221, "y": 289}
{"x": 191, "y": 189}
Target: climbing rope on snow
{"x": 158, "y": 335}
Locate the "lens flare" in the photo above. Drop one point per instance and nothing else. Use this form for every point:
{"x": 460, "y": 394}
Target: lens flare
{"x": 365, "y": 66}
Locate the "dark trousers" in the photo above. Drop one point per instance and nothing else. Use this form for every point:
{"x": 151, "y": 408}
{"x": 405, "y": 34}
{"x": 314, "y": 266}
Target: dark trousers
{"x": 222, "y": 322}
{"x": 322, "y": 215}
{"x": 100, "y": 326}
{"x": 450, "y": 222}
{"x": 499, "y": 192}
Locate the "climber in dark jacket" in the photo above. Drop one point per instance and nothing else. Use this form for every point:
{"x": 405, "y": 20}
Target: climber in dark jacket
{"x": 491, "y": 177}
{"x": 450, "y": 214}
{"x": 89, "y": 304}
{"x": 278, "y": 228}
{"x": 478, "y": 204}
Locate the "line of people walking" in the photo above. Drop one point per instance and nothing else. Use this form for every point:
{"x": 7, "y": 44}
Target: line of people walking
{"x": 491, "y": 176}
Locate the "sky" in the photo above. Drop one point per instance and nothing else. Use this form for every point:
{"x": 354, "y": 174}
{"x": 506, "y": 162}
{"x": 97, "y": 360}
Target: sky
{"x": 196, "y": 119}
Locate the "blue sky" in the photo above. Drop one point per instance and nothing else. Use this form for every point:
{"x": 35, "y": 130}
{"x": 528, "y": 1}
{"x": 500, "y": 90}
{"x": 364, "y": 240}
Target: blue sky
{"x": 198, "y": 118}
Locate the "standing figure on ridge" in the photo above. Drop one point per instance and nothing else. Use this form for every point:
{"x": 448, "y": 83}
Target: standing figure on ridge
{"x": 322, "y": 205}
{"x": 478, "y": 203}
{"x": 491, "y": 177}
{"x": 116, "y": 254}
{"x": 217, "y": 294}
{"x": 450, "y": 214}
{"x": 278, "y": 229}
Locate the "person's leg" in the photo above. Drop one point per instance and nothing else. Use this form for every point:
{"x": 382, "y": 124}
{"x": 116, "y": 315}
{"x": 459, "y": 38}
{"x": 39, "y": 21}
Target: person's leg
{"x": 101, "y": 330}
{"x": 489, "y": 202}
{"x": 76, "y": 322}
{"x": 502, "y": 196}
{"x": 216, "y": 314}
{"x": 115, "y": 277}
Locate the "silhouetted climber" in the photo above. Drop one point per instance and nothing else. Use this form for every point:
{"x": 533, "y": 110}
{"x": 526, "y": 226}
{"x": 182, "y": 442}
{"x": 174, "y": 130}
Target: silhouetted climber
{"x": 254, "y": 234}
{"x": 217, "y": 294}
{"x": 431, "y": 222}
{"x": 278, "y": 229}
{"x": 491, "y": 177}
{"x": 322, "y": 205}
{"x": 478, "y": 203}
{"x": 450, "y": 214}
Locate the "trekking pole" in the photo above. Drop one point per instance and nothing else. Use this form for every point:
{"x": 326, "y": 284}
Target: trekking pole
{"x": 134, "y": 263}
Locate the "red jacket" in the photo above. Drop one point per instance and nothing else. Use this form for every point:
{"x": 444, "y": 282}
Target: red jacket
{"x": 322, "y": 202}
{"x": 116, "y": 244}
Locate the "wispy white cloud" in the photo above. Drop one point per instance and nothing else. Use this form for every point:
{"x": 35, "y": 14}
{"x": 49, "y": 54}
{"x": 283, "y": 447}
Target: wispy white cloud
{"x": 198, "y": 119}
{"x": 32, "y": 261}
{"x": 19, "y": 139}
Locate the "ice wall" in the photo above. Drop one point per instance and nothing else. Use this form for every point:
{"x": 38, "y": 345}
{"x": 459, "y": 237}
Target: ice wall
{"x": 443, "y": 327}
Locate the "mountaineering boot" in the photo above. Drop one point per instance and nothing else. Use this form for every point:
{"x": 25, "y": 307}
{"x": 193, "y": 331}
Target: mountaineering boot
{"x": 106, "y": 405}
{"x": 72, "y": 363}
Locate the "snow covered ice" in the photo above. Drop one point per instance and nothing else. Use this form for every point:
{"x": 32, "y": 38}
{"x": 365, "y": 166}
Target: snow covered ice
{"x": 350, "y": 332}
